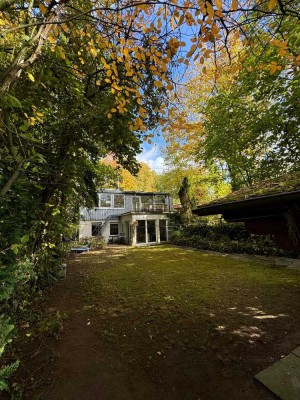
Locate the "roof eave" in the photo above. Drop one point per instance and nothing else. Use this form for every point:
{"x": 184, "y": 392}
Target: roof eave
{"x": 267, "y": 200}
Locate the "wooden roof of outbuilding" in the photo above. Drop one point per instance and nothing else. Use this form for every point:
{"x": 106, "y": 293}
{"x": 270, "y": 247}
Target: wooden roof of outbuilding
{"x": 271, "y": 191}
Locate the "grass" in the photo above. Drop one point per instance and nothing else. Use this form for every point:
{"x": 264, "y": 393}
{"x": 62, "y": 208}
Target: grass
{"x": 164, "y": 307}
{"x": 169, "y": 323}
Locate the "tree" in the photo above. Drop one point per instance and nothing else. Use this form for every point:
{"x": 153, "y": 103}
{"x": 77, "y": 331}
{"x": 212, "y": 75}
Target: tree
{"x": 126, "y": 43}
{"x": 183, "y": 194}
{"x": 143, "y": 180}
{"x": 243, "y": 117}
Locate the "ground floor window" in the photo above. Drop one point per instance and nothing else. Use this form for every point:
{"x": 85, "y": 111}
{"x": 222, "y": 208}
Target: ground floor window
{"x": 96, "y": 229}
{"x": 114, "y": 229}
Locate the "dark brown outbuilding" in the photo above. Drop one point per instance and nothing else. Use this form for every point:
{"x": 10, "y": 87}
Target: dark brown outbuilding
{"x": 270, "y": 208}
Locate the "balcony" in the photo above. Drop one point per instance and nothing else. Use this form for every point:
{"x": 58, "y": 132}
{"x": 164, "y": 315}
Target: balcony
{"x": 156, "y": 207}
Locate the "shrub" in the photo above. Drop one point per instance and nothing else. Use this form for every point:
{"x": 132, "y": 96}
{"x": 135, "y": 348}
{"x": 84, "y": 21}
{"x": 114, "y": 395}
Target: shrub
{"x": 17, "y": 281}
{"x": 227, "y": 238}
{"x": 94, "y": 242}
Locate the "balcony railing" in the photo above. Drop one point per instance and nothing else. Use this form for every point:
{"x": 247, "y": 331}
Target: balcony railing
{"x": 149, "y": 207}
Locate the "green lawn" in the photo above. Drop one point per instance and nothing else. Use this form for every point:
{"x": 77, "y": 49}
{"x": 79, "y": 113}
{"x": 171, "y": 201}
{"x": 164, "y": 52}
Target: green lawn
{"x": 181, "y": 317}
{"x": 169, "y": 323}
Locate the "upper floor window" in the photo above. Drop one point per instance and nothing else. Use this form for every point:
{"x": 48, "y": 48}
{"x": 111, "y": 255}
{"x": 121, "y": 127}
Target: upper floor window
{"x": 119, "y": 201}
{"x": 112, "y": 200}
{"x": 105, "y": 200}
{"x": 159, "y": 199}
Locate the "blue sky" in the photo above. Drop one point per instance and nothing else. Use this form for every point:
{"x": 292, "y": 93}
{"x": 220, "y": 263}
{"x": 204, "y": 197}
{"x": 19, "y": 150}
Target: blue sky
{"x": 152, "y": 156}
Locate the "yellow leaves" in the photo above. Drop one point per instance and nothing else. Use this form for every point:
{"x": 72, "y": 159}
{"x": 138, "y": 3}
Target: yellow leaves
{"x": 173, "y": 45}
{"x": 60, "y": 52}
{"x": 273, "y": 67}
{"x": 207, "y": 53}
{"x": 51, "y": 39}
{"x": 235, "y": 68}
{"x": 234, "y": 5}
{"x": 210, "y": 10}
{"x": 173, "y": 23}
{"x": 296, "y": 61}
{"x": 189, "y": 19}
{"x": 42, "y": 8}
{"x": 125, "y": 52}
{"x": 2, "y": 21}
{"x": 192, "y": 50}
{"x": 180, "y": 21}
{"x": 215, "y": 30}
{"x": 272, "y": 4}
{"x": 219, "y": 4}
{"x": 30, "y": 76}
{"x": 109, "y": 116}
{"x": 31, "y": 121}
{"x": 142, "y": 7}
{"x": 142, "y": 112}
{"x": 282, "y": 46}
{"x": 93, "y": 51}
{"x": 65, "y": 28}
{"x": 158, "y": 84}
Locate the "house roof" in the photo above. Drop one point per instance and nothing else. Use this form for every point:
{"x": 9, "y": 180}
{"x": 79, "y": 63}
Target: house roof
{"x": 268, "y": 192}
{"x": 133, "y": 192}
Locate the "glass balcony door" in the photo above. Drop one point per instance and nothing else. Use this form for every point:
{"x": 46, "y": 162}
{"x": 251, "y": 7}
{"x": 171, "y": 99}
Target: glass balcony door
{"x": 136, "y": 203}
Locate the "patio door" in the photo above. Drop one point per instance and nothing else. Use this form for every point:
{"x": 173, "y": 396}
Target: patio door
{"x": 141, "y": 232}
{"x": 151, "y": 231}
{"x": 163, "y": 230}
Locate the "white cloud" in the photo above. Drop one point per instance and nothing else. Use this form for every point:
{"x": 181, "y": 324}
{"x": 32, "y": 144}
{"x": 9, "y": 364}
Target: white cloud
{"x": 153, "y": 158}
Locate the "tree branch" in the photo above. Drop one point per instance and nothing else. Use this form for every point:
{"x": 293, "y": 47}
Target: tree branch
{"x": 12, "y": 179}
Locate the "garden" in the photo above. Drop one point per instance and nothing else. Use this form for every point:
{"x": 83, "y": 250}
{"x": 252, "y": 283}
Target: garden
{"x": 159, "y": 322}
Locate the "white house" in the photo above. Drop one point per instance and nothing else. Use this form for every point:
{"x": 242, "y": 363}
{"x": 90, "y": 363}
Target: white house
{"x": 130, "y": 217}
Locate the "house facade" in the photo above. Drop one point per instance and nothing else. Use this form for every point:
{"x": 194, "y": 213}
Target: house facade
{"x": 131, "y": 217}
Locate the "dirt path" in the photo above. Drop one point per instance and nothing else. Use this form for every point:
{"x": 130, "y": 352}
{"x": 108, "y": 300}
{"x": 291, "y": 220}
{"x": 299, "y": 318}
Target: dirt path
{"x": 119, "y": 342}
{"x": 75, "y": 366}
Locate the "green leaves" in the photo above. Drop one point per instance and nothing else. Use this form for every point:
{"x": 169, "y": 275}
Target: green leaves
{"x": 9, "y": 101}
{"x": 25, "y": 239}
{"x": 6, "y": 329}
